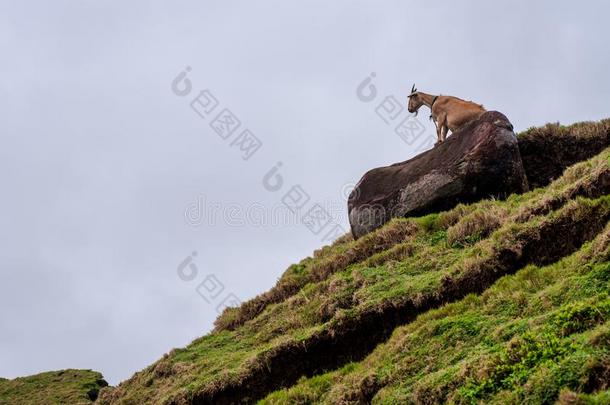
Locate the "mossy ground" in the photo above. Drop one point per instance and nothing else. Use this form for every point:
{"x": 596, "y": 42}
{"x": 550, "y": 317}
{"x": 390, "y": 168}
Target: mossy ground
{"x": 53, "y": 387}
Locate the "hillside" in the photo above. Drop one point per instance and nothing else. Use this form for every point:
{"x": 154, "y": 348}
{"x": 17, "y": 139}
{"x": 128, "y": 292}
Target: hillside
{"x": 333, "y": 309}
{"x": 73, "y": 387}
{"x": 500, "y": 301}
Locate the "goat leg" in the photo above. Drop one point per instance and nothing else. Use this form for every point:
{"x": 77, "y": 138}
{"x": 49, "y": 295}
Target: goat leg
{"x": 444, "y": 130}
{"x": 438, "y": 133}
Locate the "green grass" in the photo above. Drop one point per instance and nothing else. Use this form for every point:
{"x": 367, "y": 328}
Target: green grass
{"x": 54, "y": 387}
{"x": 527, "y": 338}
{"x": 408, "y": 260}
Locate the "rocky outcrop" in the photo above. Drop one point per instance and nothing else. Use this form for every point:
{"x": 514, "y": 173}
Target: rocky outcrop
{"x": 480, "y": 160}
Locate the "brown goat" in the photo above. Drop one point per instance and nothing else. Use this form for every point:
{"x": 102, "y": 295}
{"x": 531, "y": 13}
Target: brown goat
{"x": 447, "y": 112}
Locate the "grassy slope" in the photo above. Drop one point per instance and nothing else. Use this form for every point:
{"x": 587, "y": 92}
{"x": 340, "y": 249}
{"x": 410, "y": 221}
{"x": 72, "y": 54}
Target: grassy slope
{"x": 463, "y": 350}
{"x": 488, "y": 310}
{"x": 53, "y": 387}
{"x": 527, "y": 337}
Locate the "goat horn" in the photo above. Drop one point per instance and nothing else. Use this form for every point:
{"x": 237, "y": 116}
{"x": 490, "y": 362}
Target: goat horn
{"x": 413, "y": 89}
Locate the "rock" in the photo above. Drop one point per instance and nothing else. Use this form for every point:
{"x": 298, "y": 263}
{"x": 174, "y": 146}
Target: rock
{"x": 478, "y": 161}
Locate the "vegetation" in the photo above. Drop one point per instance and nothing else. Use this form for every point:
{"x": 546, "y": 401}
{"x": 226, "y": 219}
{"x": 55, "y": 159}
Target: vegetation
{"x": 546, "y": 151}
{"x": 492, "y": 302}
{"x": 511, "y": 271}
{"x": 53, "y": 387}
{"x": 527, "y": 338}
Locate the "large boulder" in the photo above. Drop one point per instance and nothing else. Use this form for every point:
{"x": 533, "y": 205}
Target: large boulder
{"x": 480, "y": 160}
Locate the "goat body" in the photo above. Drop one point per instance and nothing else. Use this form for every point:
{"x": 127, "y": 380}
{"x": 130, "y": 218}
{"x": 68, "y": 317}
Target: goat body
{"x": 447, "y": 112}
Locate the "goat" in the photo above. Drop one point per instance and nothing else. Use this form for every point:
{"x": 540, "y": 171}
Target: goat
{"x": 447, "y": 112}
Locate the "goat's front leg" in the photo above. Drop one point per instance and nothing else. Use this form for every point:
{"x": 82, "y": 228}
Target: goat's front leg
{"x": 440, "y": 123}
{"x": 444, "y": 130}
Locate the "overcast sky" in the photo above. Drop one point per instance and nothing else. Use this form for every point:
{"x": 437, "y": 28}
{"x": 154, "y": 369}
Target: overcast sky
{"x": 101, "y": 157}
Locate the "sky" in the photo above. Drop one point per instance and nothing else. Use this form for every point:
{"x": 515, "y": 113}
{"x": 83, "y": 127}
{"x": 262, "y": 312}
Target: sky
{"x": 161, "y": 160}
